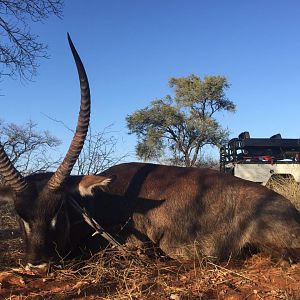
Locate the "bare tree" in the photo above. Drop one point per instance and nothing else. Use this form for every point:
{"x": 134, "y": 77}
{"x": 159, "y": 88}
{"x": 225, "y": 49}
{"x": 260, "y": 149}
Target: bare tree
{"x": 19, "y": 47}
{"x": 27, "y": 148}
{"x": 98, "y": 153}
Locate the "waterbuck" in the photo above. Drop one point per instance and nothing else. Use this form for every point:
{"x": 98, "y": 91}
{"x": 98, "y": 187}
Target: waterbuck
{"x": 186, "y": 212}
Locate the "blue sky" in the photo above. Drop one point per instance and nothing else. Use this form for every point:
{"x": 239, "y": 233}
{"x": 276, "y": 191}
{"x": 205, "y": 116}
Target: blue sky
{"x": 131, "y": 48}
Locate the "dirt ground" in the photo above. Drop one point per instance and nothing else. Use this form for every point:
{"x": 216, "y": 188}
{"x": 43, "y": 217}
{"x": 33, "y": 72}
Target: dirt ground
{"x": 111, "y": 275}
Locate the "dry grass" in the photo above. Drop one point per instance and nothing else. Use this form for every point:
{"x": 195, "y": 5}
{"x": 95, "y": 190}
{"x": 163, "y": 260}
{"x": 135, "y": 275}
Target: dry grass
{"x": 8, "y": 219}
{"x": 287, "y": 187}
{"x": 113, "y": 275}
{"x": 116, "y": 275}
{"x": 10, "y": 239}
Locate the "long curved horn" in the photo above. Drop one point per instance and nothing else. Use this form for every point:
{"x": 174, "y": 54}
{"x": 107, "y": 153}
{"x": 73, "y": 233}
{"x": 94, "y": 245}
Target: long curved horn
{"x": 11, "y": 175}
{"x": 58, "y": 178}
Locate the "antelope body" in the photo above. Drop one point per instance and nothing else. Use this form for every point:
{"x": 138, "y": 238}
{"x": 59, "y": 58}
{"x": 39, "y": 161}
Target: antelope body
{"x": 184, "y": 211}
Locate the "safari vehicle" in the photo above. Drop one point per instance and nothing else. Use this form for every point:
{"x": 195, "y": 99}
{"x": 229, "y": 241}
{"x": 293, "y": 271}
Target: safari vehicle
{"x": 259, "y": 159}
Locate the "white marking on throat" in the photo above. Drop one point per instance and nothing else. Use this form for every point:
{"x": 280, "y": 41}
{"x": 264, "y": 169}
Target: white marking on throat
{"x": 27, "y": 227}
{"x": 53, "y": 222}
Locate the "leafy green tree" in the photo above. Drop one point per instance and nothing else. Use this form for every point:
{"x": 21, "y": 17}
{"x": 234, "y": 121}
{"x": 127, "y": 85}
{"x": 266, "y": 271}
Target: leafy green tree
{"x": 179, "y": 126}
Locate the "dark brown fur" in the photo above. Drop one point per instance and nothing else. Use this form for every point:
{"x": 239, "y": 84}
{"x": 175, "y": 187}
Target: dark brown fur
{"x": 189, "y": 211}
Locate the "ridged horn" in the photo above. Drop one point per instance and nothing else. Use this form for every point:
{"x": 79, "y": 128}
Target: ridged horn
{"x": 64, "y": 170}
{"x": 10, "y": 174}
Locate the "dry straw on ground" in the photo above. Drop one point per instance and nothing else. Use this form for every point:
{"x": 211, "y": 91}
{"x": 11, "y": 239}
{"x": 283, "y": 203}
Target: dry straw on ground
{"x": 287, "y": 187}
{"x": 113, "y": 275}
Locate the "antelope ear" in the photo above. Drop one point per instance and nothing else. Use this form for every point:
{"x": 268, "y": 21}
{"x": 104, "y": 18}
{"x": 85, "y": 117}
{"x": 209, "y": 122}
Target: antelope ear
{"x": 88, "y": 183}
